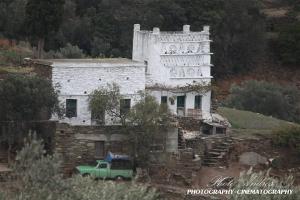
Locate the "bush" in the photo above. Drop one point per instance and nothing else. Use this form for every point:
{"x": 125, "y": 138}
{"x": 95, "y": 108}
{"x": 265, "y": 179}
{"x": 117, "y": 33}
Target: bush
{"x": 262, "y": 181}
{"x": 288, "y": 137}
{"x": 27, "y": 98}
{"x": 39, "y": 177}
{"x": 39, "y": 174}
{"x": 266, "y": 98}
{"x": 88, "y": 189}
{"x": 69, "y": 51}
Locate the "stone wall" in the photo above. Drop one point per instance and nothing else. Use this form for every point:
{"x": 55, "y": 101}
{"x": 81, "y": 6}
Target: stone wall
{"x": 175, "y": 169}
{"x": 76, "y": 144}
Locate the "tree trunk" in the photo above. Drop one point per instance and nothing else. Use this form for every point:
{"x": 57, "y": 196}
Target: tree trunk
{"x": 8, "y": 153}
{"x": 40, "y": 49}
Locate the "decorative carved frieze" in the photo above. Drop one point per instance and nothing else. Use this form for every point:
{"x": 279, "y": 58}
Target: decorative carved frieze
{"x": 183, "y": 37}
{"x": 192, "y": 60}
{"x": 185, "y": 48}
{"x": 185, "y": 72}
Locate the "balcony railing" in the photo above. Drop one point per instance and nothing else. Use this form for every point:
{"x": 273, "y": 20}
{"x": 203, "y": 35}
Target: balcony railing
{"x": 194, "y": 113}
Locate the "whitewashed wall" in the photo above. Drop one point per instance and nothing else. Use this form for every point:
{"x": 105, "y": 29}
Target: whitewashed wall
{"x": 76, "y": 80}
{"x": 175, "y": 59}
{"x": 189, "y": 101}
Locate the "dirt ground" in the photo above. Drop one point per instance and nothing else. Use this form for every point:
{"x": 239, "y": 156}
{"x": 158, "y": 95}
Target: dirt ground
{"x": 4, "y": 168}
{"x": 290, "y": 164}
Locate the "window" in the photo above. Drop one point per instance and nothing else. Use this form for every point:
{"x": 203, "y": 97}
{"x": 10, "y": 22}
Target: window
{"x": 146, "y": 68}
{"x": 180, "y": 101}
{"x": 71, "y": 108}
{"x": 99, "y": 149}
{"x": 198, "y": 101}
{"x": 164, "y": 100}
{"x": 102, "y": 165}
{"x": 124, "y": 106}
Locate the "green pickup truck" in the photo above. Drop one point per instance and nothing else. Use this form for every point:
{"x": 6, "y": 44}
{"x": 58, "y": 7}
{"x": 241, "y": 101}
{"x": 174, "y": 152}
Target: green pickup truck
{"x": 112, "y": 167}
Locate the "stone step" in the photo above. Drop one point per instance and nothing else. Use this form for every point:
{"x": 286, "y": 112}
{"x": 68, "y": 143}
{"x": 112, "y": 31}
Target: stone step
{"x": 214, "y": 153}
{"x": 212, "y": 159}
{"x": 220, "y": 149}
{"x": 225, "y": 144}
{"x": 210, "y": 164}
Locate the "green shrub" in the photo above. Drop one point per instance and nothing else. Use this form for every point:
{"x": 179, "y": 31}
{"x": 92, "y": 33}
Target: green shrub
{"x": 262, "y": 181}
{"x": 1, "y": 196}
{"x": 266, "y": 98}
{"x": 13, "y": 56}
{"x": 39, "y": 174}
{"x": 288, "y": 137}
{"x": 88, "y": 189}
{"x": 69, "y": 51}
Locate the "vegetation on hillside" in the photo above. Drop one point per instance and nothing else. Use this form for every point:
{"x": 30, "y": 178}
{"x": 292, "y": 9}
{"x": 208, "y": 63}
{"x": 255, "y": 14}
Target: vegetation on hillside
{"x": 104, "y": 28}
{"x": 101, "y": 28}
{"x": 24, "y": 99}
{"x": 270, "y": 99}
{"x": 241, "y": 119}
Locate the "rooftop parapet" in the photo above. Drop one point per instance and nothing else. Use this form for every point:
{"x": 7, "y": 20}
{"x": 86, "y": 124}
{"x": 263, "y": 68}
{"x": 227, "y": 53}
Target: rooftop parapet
{"x": 186, "y": 35}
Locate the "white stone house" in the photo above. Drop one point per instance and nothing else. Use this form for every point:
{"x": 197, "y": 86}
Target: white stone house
{"x": 76, "y": 79}
{"x": 162, "y": 63}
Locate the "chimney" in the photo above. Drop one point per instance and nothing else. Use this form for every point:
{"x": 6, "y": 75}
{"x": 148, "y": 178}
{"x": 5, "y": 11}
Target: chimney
{"x": 156, "y": 30}
{"x": 206, "y": 29}
{"x": 137, "y": 27}
{"x": 186, "y": 28}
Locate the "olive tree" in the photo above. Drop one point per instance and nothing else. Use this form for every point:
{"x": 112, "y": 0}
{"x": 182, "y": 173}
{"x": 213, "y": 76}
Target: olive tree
{"x": 23, "y": 99}
{"x": 153, "y": 120}
{"x": 147, "y": 117}
{"x": 106, "y": 101}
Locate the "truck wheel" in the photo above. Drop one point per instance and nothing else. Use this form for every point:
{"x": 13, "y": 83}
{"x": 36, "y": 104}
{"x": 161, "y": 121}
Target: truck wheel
{"x": 85, "y": 175}
{"x": 119, "y": 178}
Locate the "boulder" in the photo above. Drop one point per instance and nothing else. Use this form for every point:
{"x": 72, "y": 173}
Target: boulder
{"x": 252, "y": 159}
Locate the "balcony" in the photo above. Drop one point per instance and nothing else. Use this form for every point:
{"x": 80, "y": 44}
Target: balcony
{"x": 194, "y": 113}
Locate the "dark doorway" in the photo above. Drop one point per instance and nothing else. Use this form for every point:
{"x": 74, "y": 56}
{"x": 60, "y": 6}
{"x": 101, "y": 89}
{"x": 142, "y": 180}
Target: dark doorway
{"x": 99, "y": 148}
{"x": 181, "y": 105}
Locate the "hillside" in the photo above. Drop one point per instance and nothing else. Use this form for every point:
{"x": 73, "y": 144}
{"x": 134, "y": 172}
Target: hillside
{"x": 250, "y": 124}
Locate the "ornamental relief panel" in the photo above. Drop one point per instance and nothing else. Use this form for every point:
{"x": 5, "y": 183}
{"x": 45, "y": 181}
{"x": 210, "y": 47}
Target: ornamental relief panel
{"x": 183, "y": 37}
{"x": 185, "y": 72}
{"x": 184, "y": 48}
{"x": 194, "y": 60}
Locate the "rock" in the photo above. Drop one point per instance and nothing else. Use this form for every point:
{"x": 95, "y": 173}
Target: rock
{"x": 252, "y": 159}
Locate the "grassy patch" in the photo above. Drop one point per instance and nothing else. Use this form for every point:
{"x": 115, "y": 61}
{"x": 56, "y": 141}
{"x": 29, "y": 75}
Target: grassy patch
{"x": 249, "y": 120}
{"x": 15, "y": 70}
{"x": 250, "y": 124}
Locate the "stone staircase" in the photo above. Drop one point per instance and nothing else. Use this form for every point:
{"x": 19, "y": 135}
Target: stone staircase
{"x": 218, "y": 155}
